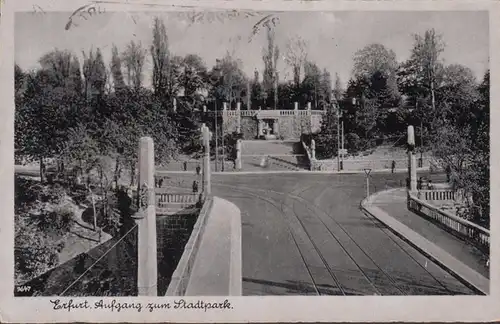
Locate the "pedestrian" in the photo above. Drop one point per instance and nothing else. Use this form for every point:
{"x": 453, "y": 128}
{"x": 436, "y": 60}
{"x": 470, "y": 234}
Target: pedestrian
{"x": 195, "y": 186}
{"x": 198, "y": 169}
{"x": 185, "y": 165}
{"x": 429, "y": 184}
{"x": 160, "y": 183}
{"x": 156, "y": 182}
{"x": 393, "y": 166}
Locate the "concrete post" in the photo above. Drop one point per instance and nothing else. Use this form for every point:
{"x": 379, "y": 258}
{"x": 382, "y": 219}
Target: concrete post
{"x": 309, "y": 106}
{"x": 238, "y": 118}
{"x": 206, "y": 136}
{"x": 260, "y": 126}
{"x": 412, "y": 162}
{"x": 295, "y": 106}
{"x": 313, "y": 150}
{"x": 147, "y": 259}
{"x": 238, "y": 155}
{"x": 224, "y": 106}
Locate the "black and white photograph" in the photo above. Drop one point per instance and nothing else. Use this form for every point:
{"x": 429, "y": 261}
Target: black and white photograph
{"x": 238, "y": 152}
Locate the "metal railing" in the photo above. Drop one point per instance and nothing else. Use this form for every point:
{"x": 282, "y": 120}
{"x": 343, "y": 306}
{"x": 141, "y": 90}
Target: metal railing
{"x": 462, "y": 227}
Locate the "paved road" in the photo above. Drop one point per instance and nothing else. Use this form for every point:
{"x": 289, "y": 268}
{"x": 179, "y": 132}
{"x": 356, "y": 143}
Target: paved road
{"x": 304, "y": 234}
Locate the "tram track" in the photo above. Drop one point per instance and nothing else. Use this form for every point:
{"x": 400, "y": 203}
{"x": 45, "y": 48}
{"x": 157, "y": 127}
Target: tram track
{"x": 326, "y": 219}
{"x": 342, "y": 289}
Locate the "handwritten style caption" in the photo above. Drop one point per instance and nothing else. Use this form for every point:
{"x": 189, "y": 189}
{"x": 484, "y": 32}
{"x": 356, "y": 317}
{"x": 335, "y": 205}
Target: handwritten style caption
{"x": 117, "y": 306}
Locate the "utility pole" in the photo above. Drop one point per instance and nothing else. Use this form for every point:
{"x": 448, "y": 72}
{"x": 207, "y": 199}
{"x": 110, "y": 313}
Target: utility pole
{"x": 343, "y": 148}
{"x": 338, "y": 136}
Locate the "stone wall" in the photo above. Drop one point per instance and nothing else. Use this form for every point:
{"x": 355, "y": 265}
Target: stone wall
{"x": 316, "y": 123}
{"x": 173, "y": 232}
{"x": 249, "y": 127}
{"x": 230, "y": 122}
{"x": 291, "y": 125}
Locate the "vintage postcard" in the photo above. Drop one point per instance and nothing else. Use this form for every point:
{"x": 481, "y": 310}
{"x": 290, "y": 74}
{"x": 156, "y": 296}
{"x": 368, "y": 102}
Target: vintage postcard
{"x": 263, "y": 161}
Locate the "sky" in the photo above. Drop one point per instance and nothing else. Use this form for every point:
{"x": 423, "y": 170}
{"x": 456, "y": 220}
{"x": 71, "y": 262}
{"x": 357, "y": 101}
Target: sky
{"x": 333, "y": 37}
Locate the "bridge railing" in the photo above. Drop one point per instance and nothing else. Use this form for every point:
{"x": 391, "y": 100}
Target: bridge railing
{"x": 437, "y": 195}
{"x": 464, "y": 228}
{"x": 180, "y": 277}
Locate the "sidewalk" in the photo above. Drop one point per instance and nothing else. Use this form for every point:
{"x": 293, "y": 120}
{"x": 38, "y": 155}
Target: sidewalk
{"x": 452, "y": 253}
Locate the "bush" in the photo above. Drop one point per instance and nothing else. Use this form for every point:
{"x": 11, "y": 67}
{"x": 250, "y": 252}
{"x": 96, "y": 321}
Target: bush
{"x": 58, "y": 221}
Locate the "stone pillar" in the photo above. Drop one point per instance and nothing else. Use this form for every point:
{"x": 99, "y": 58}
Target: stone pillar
{"x": 147, "y": 272}
{"x": 238, "y": 155}
{"x": 224, "y": 106}
{"x": 412, "y": 162}
{"x": 206, "y": 136}
{"x": 313, "y": 150}
{"x": 309, "y": 106}
{"x": 238, "y": 118}
{"x": 260, "y": 126}
{"x": 275, "y": 127}
{"x": 296, "y": 107}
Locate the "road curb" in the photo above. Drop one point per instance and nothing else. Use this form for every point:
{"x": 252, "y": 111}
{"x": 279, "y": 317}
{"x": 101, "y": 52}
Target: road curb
{"x": 459, "y": 270}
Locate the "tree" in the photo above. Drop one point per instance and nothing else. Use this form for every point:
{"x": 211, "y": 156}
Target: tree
{"x": 257, "y": 91}
{"x": 133, "y": 58}
{"x": 94, "y": 72}
{"x": 270, "y": 78}
{"x": 378, "y": 66}
{"x": 116, "y": 70}
{"x": 327, "y": 136}
{"x": 325, "y": 90}
{"x": 310, "y": 86}
{"x": 426, "y": 63}
{"x": 165, "y": 67}
{"x": 337, "y": 88}
{"x": 228, "y": 80}
{"x": 296, "y": 56}
{"x": 193, "y": 76}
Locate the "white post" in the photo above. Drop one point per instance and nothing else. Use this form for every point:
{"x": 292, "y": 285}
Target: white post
{"x": 238, "y": 155}
{"x": 175, "y": 105}
{"x": 412, "y": 163}
{"x": 309, "y": 106}
{"x": 147, "y": 264}
{"x": 313, "y": 150}
{"x": 238, "y": 118}
{"x": 296, "y": 107}
{"x": 206, "y": 136}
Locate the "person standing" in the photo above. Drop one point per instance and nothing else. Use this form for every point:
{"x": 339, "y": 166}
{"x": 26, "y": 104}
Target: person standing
{"x": 195, "y": 186}
{"x": 185, "y": 165}
{"x": 393, "y": 166}
{"x": 198, "y": 169}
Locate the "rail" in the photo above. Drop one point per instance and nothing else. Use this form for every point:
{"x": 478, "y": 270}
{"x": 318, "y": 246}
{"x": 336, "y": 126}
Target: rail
{"x": 462, "y": 227}
{"x": 437, "y": 195}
